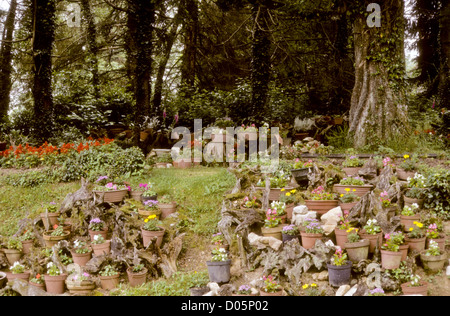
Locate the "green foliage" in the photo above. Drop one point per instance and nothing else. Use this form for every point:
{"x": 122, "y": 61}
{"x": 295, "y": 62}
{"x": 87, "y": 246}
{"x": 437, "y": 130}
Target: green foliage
{"x": 438, "y": 193}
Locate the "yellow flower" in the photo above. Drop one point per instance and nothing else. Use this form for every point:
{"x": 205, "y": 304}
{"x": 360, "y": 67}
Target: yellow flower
{"x": 350, "y": 229}
{"x": 282, "y": 190}
{"x": 411, "y": 229}
{"x": 342, "y": 195}
{"x": 288, "y": 194}
{"x": 314, "y": 285}
{"x": 146, "y": 220}
{"x": 293, "y": 191}
{"x": 305, "y": 286}
{"x": 347, "y": 189}
{"x": 420, "y": 225}
{"x": 354, "y": 190}
{"x": 406, "y": 156}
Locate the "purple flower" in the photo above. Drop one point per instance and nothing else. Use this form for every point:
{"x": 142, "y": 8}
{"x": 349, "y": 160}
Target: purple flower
{"x": 95, "y": 221}
{"x": 164, "y": 114}
{"x": 101, "y": 178}
{"x": 176, "y": 118}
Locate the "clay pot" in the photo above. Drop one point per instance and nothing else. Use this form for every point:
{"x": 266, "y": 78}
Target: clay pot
{"x": 433, "y": 264}
{"x": 409, "y": 201}
{"x": 37, "y": 285}
{"x": 136, "y": 278}
{"x": 136, "y": 195}
{"x": 81, "y": 258}
{"x": 167, "y": 209}
{"x": 12, "y": 255}
{"x": 49, "y": 219}
{"x": 103, "y": 232}
{"x": 375, "y": 240}
{"x": 417, "y": 244}
{"x": 321, "y": 206}
{"x": 289, "y": 210}
{"x": 147, "y": 236}
{"x": 114, "y": 196}
{"x": 109, "y": 282}
{"x": 55, "y": 284}
{"x": 404, "y": 250}
{"x": 361, "y": 190}
{"x": 309, "y": 240}
{"x": 102, "y": 249}
{"x": 390, "y": 259}
{"x": 414, "y": 290}
{"x": 80, "y": 287}
{"x": 357, "y": 251}
{"x": 274, "y": 232}
{"x": 219, "y": 271}
{"x": 341, "y": 237}
{"x": 339, "y": 275}
{"x": 22, "y": 276}
{"x": 407, "y": 221}
{"x": 50, "y": 240}
{"x": 347, "y": 206}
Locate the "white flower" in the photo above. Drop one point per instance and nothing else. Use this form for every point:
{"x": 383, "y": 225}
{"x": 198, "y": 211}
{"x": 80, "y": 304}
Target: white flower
{"x": 96, "y": 237}
{"x": 49, "y": 265}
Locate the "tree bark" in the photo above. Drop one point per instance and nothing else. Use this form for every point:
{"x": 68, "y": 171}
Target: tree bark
{"x": 378, "y": 112}
{"x": 5, "y": 60}
{"x": 190, "y": 17}
{"x": 444, "y": 73}
{"x": 44, "y": 35}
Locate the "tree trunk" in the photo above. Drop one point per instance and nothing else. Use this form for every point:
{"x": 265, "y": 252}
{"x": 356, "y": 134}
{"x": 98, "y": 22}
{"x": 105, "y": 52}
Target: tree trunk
{"x": 444, "y": 74}
{"x": 44, "y": 35}
{"x": 92, "y": 46}
{"x": 260, "y": 76}
{"x": 378, "y": 112}
{"x": 5, "y": 60}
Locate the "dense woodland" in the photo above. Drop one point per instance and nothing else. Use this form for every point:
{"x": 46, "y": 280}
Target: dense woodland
{"x": 70, "y": 69}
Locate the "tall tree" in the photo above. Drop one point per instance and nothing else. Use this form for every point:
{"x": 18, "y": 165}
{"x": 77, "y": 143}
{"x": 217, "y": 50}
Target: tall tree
{"x": 43, "y": 38}
{"x": 378, "y": 111}
{"x": 189, "y": 15}
{"x": 5, "y": 60}
{"x": 444, "y": 72}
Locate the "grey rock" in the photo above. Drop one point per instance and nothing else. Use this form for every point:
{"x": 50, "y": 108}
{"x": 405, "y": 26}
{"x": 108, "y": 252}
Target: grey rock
{"x": 343, "y": 289}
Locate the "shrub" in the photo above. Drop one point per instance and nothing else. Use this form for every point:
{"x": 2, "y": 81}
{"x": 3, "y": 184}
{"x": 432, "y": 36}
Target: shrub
{"x": 438, "y": 193}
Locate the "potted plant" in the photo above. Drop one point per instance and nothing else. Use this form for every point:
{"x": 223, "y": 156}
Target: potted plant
{"x": 243, "y": 290}
{"x": 372, "y": 232}
{"x": 399, "y": 239}
{"x": 167, "y": 206}
{"x": 149, "y": 194}
{"x": 342, "y": 230}
{"x": 280, "y": 208}
{"x": 321, "y": 201}
{"x": 311, "y": 289}
{"x": 352, "y": 164}
{"x": 110, "y": 192}
{"x": 390, "y": 253}
{"x": 376, "y": 292}
{"x": 251, "y": 203}
{"x": 278, "y": 182}
{"x": 289, "y": 199}
{"x": 80, "y": 283}
{"x": 415, "y": 194}
{"x": 100, "y": 246}
{"x": 38, "y": 282}
{"x": 357, "y": 248}
{"x": 271, "y": 287}
{"x": 218, "y": 240}
{"x": 109, "y": 277}
{"x": 354, "y": 183}
{"x": 18, "y": 271}
{"x": 290, "y": 232}
{"x": 433, "y": 259}
{"x": 13, "y": 252}
{"x": 313, "y": 231}
{"x": 300, "y": 171}
{"x": 339, "y": 269}
{"x": 219, "y": 266}
{"x": 387, "y": 205}
{"x": 416, "y": 237}
{"x": 151, "y": 207}
{"x": 272, "y": 227}
{"x": 198, "y": 285}
{"x": 434, "y": 233}
{"x": 52, "y": 237}
{"x": 81, "y": 253}
{"x": 137, "y": 275}
{"x": 137, "y": 191}
{"x": 408, "y": 216}
{"x": 54, "y": 279}
{"x": 163, "y": 160}
{"x": 151, "y": 229}
{"x": 49, "y": 215}
{"x": 415, "y": 286}
{"x": 407, "y": 168}
{"x": 97, "y": 227}
{"x": 348, "y": 199}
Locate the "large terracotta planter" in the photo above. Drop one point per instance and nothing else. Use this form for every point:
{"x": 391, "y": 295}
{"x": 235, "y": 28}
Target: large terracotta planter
{"x": 103, "y": 233}
{"x": 339, "y": 275}
{"x": 361, "y": 190}
{"x": 309, "y": 240}
{"x": 439, "y": 241}
{"x": 351, "y": 171}
{"x": 341, "y": 237}
{"x": 415, "y": 290}
{"x": 321, "y": 206}
{"x": 390, "y": 259}
{"x": 219, "y": 271}
{"x": 109, "y": 282}
{"x": 357, "y": 251}
{"x": 22, "y": 276}
{"x": 102, "y": 249}
{"x": 374, "y": 240}
{"x": 81, "y": 258}
{"x": 433, "y": 264}
{"x": 167, "y": 209}
{"x": 114, "y": 196}
{"x": 136, "y": 278}
{"x": 416, "y": 244}
{"x": 404, "y": 250}
{"x": 50, "y": 240}
{"x": 12, "y": 255}
{"x": 49, "y": 219}
{"x": 147, "y": 236}
{"x": 55, "y": 284}
{"x": 404, "y": 175}
{"x": 26, "y": 246}
{"x": 274, "y": 232}
{"x": 407, "y": 221}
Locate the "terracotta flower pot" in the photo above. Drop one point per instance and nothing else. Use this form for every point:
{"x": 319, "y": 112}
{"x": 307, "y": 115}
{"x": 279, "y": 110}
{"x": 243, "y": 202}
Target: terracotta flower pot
{"x": 147, "y": 236}
{"x": 289, "y": 210}
{"x": 55, "y": 284}
{"x": 113, "y": 196}
{"x": 277, "y": 293}
{"x": 341, "y": 237}
{"x": 144, "y": 213}
{"x": 275, "y": 193}
{"x": 81, "y": 258}
{"x": 81, "y": 288}
{"x": 433, "y": 264}
{"x": 109, "y": 282}
{"x": 404, "y": 250}
{"x": 309, "y": 240}
{"x": 321, "y": 206}
{"x": 22, "y": 276}
{"x": 375, "y": 240}
{"x": 102, "y": 249}
{"x": 167, "y": 209}
{"x": 136, "y": 195}
{"x": 351, "y": 171}
{"x": 50, "y": 240}
{"x": 274, "y": 232}
{"x": 37, "y": 285}
{"x": 347, "y": 206}
{"x": 409, "y": 201}
{"x": 26, "y": 246}
{"x": 361, "y": 190}
{"x": 136, "y": 278}
{"x": 404, "y": 175}
{"x": 407, "y": 289}
{"x": 407, "y": 221}
{"x": 357, "y": 251}
{"x": 3, "y": 280}
{"x": 49, "y": 219}
{"x": 439, "y": 241}
{"x": 339, "y": 275}
{"x": 416, "y": 244}
{"x": 12, "y": 255}
{"x": 103, "y": 233}
{"x": 219, "y": 271}
{"x": 390, "y": 259}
